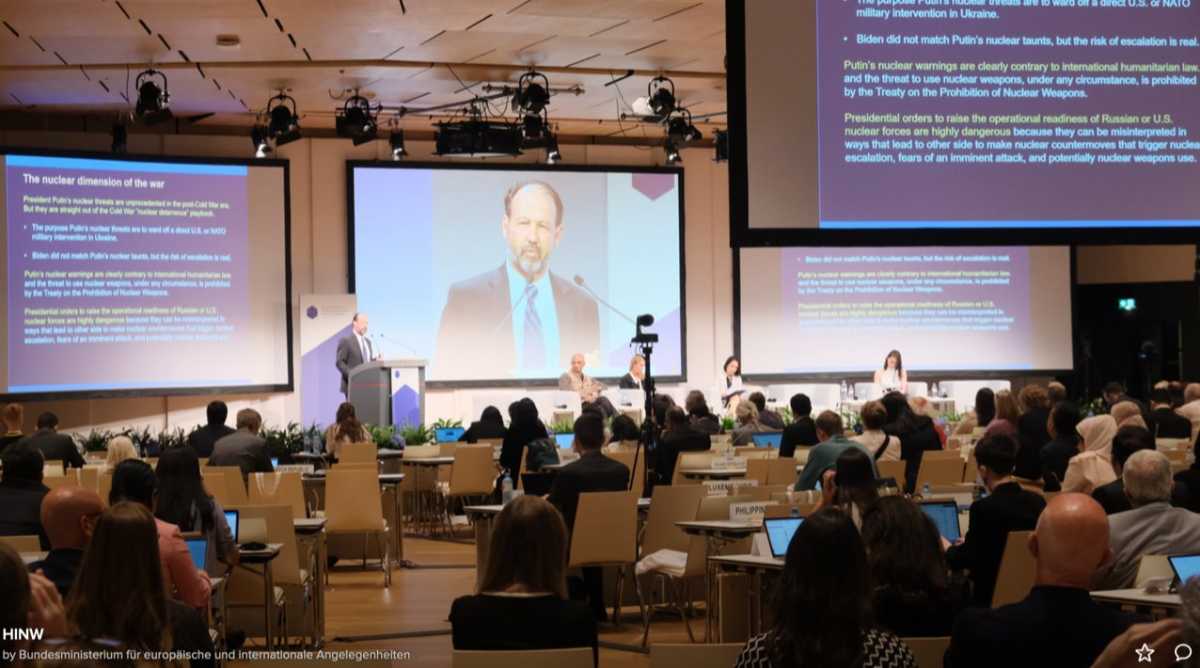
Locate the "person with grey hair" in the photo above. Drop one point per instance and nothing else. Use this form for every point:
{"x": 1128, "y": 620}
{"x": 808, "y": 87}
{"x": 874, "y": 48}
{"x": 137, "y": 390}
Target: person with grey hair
{"x": 1152, "y": 527}
{"x": 244, "y": 448}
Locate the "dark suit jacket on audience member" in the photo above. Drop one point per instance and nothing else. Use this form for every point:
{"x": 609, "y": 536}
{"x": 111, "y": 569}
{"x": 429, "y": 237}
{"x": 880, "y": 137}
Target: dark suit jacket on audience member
{"x": 203, "y": 439}
{"x": 519, "y": 435}
{"x": 770, "y": 418}
{"x": 244, "y": 450}
{"x": 55, "y": 447}
{"x": 349, "y": 355}
{"x": 487, "y": 622}
{"x": 60, "y": 567}
{"x": 1053, "y": 626}
{"x": 21, "y": 509}
{"x": 802, "y": 432}
{"x": 1112, "y": 497}
{"x": 8, "y": 439}
{"x": 1031, "y": 436}
{"x": 1007, "y": 508}
{"x": 480, "y": 430}
{"x": 709, "y": 424}
{"x": 1056, "y": 454}
{"x": 592, "y": 472}
{"x": 673, "y": 442}
{"x": 1166, "y": 423}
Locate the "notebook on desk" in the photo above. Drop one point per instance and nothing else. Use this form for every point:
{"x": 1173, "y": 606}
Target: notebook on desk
{"x": 779, "y": 533}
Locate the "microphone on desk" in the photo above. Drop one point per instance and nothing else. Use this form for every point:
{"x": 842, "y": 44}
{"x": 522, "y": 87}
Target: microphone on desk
{"x": 583, "y": 284}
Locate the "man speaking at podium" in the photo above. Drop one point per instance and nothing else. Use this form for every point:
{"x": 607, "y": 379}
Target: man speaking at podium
{"x": 520, "y": 319}
{"x": 354, "y": 349}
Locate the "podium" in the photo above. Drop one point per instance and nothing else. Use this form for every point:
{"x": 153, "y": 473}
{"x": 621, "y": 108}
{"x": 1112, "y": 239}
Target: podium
{"x": 389, "y": 392}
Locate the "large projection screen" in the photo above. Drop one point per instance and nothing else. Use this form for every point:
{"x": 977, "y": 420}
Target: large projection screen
{"x": 984, "y": 122}
{"x": 144, "y": 275}
{"x": 960, "y": 309}
{"x": 443, "y": 258}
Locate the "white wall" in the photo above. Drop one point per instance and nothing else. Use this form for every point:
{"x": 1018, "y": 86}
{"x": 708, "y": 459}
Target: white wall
{"x": 319, "y": 262}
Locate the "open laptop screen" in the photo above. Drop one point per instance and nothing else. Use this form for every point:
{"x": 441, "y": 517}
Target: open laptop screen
{"x": 779, "y": 533}
{"x": 945, "y": 515}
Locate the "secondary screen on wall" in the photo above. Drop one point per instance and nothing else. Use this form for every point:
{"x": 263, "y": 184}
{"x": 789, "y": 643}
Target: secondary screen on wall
{"x": 501, "y": 274}
{"x": 827, "y": 310}
{"x": 932, "y": 114}
{"x": 143, "y": 275}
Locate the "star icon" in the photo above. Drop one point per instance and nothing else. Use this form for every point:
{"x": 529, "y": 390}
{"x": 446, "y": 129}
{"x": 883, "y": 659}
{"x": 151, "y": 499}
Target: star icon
{"x": 1144, "y": 653}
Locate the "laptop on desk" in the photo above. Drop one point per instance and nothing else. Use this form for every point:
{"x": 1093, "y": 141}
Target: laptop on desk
{"x": 231, "y": 518}
{"x": 945, "y": 516}
{"x": 779, "y": 533}
{"x": 448, "y": 434}
{"x": 198, "y": 547}
{"x": 767, "y": 439}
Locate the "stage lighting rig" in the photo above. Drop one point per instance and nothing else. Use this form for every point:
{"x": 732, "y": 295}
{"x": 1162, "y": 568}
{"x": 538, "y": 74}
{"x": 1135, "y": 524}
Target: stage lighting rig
{"x": 660, "y": 95}
{"x": 531, "y": 96}
{"x": 396, "y": 141}
{"x": 284, "y": 124}
{"x": 553, "y": 157}
{"x": 356, "y": 120}
{"x": 477, "y": 136}
{"x": 153, "y": 97}
{"x": 259, "y": 136}
{"x": 672, "y": 149}
{"x": 721, "y": 146}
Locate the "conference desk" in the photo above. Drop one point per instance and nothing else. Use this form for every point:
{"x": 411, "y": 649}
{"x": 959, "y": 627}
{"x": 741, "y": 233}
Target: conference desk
{"x": 389, "y": 482}
{"x": 263, "y": 558}
{"x": 938, "y": 406}
{"x": 716, "y": 534}
{"x": 713, "y": 473}
{"x": 754, "y": 566}
{"x": 422, "y": 511}
{"x": 311, "y": 531}
{"x": 1138, "y": 599}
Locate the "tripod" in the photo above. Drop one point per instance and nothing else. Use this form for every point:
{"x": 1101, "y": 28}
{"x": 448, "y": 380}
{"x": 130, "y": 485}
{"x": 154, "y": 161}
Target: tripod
{"x": 645, "y": 346}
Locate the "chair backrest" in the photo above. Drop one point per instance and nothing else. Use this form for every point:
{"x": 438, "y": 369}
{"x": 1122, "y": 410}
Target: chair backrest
{"x": 626, "y": 458}
{"x": 52, "y": 469}
{"x": 285, "y": 568}
{"x": 363, "y": 451}
{"x": 22, "y": 543}
{"x": 69, "y": 479}
{"x": 893, "y": 469}
{"x": 279, "y": 488}
{"x": 758, "y": 469}
{"x": 575, "y": 657}
{"x": 89, "y": 476}
{"x": 473, "y": 472}
{"x": 663, "y": 655}
{"x": 939, "y": 471}
{"x": 353, "y": 502}
{"x": 1153, "y": 566}
{"x": 781, "y": 471}
{"x": 1017, "y": 570}
{"x": 784, "y": 510}
{"x": 231, "y": 491}
{"x": 421, "y": 451}
{"x": 690, "y": 460}
{"x": 971, "y": 470}
{"x": 605, "y": 529}
{"x": 493, "y": 442}
{"x": 929, "y": 652}
{"x": 104, "y": 484}
{"x": 930, "y": 455}
{"x": 670, "y": 504}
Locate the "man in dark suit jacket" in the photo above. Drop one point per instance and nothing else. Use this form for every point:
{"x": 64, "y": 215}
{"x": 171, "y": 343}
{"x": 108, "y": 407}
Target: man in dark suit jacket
{"x": 766, "y": 418}
{"x": 53, "y": 445}
{"x": 354, "y": 349}
{"x": 21, "y": 492}
{"x": 1164, "y": 422}
{"x": 203, "y": 439}
{"x": 679, "y": 437}
{"x": 1057, "y": 624}
{"x": 802, "y": 431}
{"x": 1006, "y": 508}
{"x": 592, "y": 472}
{"x": 243, "y": 448}
{"x": 521, "y": 318}
{"x": 69, "y": 516}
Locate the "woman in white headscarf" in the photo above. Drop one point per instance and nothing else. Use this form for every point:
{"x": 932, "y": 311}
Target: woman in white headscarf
{"x": 1092, "y": 467}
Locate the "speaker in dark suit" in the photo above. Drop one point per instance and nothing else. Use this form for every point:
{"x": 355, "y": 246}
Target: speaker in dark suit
{"x": 520, "y": 316}
{"x": 53, "y": 445}
{"x": 354, "y": 349}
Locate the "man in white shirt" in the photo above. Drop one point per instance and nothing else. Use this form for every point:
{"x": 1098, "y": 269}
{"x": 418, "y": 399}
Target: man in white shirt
{"x": 354, "y": 349}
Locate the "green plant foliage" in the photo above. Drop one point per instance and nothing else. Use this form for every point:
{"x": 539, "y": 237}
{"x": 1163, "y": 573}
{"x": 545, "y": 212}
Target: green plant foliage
{"x": 415, "y": 434}
{"x": 95, "y": 440}
{"x": 562, "y": 427}
{"x": 447, "y": 423}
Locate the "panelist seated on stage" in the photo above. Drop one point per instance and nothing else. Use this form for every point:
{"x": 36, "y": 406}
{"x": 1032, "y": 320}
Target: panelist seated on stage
{"x": 588, "y": 388}
{"x": 731, "y": 389}
{"x": 521, "y": 318}
{"x": 354, "y": 349}
{"x": 637, "y": 373}
{"x": 892, "y": 377}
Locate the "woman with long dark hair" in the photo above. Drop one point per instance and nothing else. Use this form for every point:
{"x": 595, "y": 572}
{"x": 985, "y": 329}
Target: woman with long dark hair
{"x": 822, "y": 605}
{"x": 850, "y": 485}
{"x": 524, "y": 427}
{"x": 184, "y": 502}
{"x": 489, "y": 425}
{"x": 892, "y": 377}
{"x": 346, "y": 429}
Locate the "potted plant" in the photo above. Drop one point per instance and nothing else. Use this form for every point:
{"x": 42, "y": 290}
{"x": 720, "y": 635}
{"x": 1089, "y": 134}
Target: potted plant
{"x": 413, "y": 434}
{"x": 95, "y": 440}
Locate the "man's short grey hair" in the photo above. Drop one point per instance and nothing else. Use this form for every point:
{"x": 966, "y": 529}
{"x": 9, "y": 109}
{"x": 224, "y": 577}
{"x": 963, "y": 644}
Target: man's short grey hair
{"x": 1191, "y": 392}
{"x": 249, "y": 419}
{"x": 1147, "y": 477}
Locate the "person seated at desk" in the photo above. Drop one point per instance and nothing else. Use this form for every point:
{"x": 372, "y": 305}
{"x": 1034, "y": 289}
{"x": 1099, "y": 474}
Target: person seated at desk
{"x": 490, "y": 425}
{"x": 345, "y": 430}
{"x": 851, "y": 485}
{"x": 680, "y": 436}
{"x": 1032, "y": 431}
{"x": 883, "y": 446}
{"x": 637, "y": 373}
{"x": 802, "y": 432}
{"x": 1007, "y": 416}
{"x": 55, "y": 447}
{"x": 244, "y": 448}
{"x": 1112, "y": 496}
{"x": 21, "y": 492}
{"x": 184, "y": 502}
{"x": 768, "y": 418}
{"x": 980, "y": 415}
{"x": 524, "y": 427}
{"x": 747, "y": 424}
{"x": 892, "y": 377}
{"x": 117, "y": 450}
{"x": 13, "y": 417}
{"x": 521, "y": 602}
{"x": 917, "y": 433}
{"x": 824, "y": 455}
{"x": 1064, "y": 439}
{"x": 624, "y": 429}
{"x": 69, "y": 516}
{"x": 1164, "y": 421}
{"x": 588, "y": 388}
{"x": 699, "y": 416}
{"x": 203, "y": 439}
{"x": 30, "y": 601}
{"x": 1092, "y": 468}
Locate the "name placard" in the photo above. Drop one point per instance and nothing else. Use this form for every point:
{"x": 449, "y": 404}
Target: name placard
{"x": 728, "y": 487}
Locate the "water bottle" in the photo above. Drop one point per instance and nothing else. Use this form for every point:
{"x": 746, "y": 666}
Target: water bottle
{"x": 933, "y": 391}
{"x": 506, "y": 489}
{"x": 925, "y": 490}
{"x": 795, "y": 511}
{"x": 844, "y": 394}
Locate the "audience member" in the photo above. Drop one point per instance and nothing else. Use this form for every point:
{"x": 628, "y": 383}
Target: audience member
{"x": 822, "y": 605}
{"x": 1164, "y": 421}
{"x": 913, "y": 597}
{"x": 624, "y": 429}
{"x": 981, "y": 415}
{"x": 1114, "y": 393}
{"x": 1128, "y": 440}
{"x": 244, "y": 448}
{"x": 1092, "y": 467}
{"x": 1007, "y": 416}
{"x": 699, "y": 416}
{"x": 69, "y": 516}
{"x": 55, "y": 447}
{"x": 490, "y": 425}
{"x": 184, "y": 502}
{"x": 346, "y": 429}
{"x": 119, "y": 595}
{"x": 1056, "y": 392}
{"x": 850, "y": 486}
{"x": 824, "y": 455}
{"x": 916, "y": 433}
{"x": 524, "y": 427}
{"x": 1032, "y": 431}
{"x": 117, "y": 450}
{"x": 1064, "y": 440}
{"x": 747, "y": 423}
{"x": 21, "y": 492}
{"x": 1007, "y": 508}
{"x": 30, "y": 601}
{"x": 768, "y": 418}
{"x": 1058, "y": 623}
{"x": 13, "y": 417}
{"x": 632, "y": 380}
{"x": 134, "y": 480}
{"x": 660, "y": 404}
{"x": 1128, "y": 413}
{"x": 883, "y": 446}
{"x": 521, "y": 602}
{"x": 802, "y": 432}
{"x": 680, "y": 436}
{"x": 592, "y": 472}
{"x": 1152, "y": 526}
{"x": 1191, "y": 407}
{"x": 204, "y": 438}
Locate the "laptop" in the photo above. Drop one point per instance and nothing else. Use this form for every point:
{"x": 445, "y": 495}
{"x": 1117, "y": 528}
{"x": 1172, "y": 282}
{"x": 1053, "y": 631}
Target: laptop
{"x": 274, "y": 462}
{"x": 231, "y": 518}
{"x": 1185, "y": 566}
{"x": 945, "y": 515}
{"x": 448, "y": 434}
{"x": 767, "y": 440}
{"x": 779, "y": 533}
{"x": 199, "y": 549}
{"x": 565, "y": 441}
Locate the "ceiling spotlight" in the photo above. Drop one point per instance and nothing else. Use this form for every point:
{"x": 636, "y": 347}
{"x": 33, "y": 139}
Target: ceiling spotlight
{"x": 396, "y": 141}
{"x": 260, "y": 136}
{"x": 532, "y": 97}
{"x": 120, "y": 138}
{"x": 721, "y": 146}
{"x": 660, "y": 94}
{"x": 284, "y": 124}
{"x": 532, "y": 128}
{"x": 152, "y": 97}
{"x": 673, "y": 157}
{"x": 356, "y": 120}
{"x": 680, "y": 128}
{"x": 553, "y": 157}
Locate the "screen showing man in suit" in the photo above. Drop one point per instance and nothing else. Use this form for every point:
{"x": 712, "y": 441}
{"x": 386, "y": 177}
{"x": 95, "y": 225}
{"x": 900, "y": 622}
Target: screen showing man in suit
{"x": 505, "y": 273}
